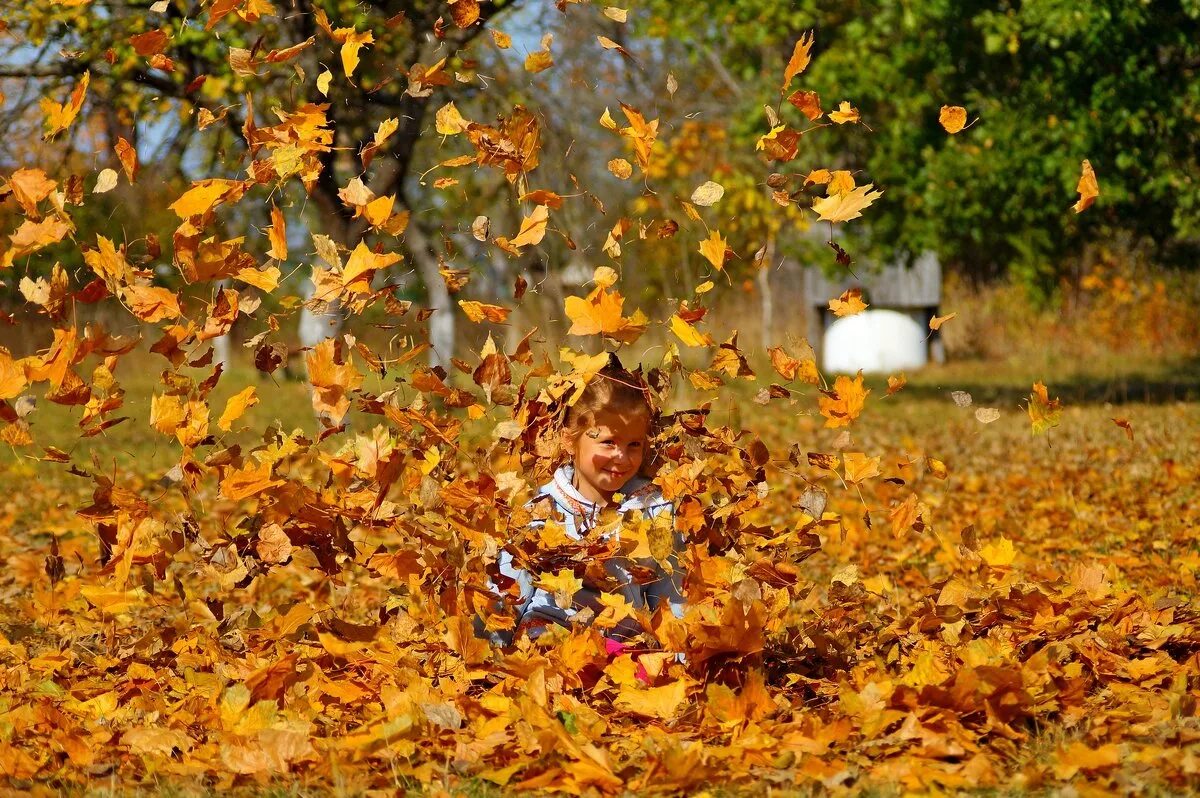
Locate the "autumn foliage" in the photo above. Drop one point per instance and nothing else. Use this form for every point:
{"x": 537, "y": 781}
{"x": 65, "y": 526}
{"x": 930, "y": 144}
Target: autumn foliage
{"x": 303, "y": 603}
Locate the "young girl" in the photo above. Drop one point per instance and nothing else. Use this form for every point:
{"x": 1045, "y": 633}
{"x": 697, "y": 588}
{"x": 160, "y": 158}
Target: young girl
{"x": 605, "y": 436}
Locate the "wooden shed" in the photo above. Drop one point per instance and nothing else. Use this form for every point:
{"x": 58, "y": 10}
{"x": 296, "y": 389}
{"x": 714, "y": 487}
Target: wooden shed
{"x": 914, "y": 290}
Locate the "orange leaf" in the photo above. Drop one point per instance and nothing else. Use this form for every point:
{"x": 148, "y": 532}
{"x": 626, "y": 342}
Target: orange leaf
{"x": 277, "y": 235}
{"x": 937, "y": 321}
{"x": 845, "y": 402}
{"x": 601, "y": 313}
{"x": 1088, "y": 188}
{"x": 849, "y": 303}
{"x": 237, "y": 406}
{"x": 478, "y": 311}
{"x": 953, "y": 118}
{"x": 801, "y": 55}
{"x": 860, "y": 467}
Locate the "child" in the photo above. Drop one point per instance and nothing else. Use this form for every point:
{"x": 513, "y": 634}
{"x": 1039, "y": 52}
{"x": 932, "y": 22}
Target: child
{"x": 605, "y": 436}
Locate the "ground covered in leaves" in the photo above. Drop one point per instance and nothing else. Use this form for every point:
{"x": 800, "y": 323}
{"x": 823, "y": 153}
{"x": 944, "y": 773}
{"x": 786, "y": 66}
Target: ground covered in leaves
{"x": 981, "y": 608}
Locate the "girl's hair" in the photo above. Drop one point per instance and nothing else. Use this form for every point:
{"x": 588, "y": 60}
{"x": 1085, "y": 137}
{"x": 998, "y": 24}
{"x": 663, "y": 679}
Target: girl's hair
{"x": 613, "y": 390}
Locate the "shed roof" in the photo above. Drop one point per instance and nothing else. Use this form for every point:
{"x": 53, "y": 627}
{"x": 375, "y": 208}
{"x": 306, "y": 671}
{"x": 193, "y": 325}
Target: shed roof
{"x": 894, "y": 286}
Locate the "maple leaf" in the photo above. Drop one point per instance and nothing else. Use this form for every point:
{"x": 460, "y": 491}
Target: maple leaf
{"x": 844, "y": 207}
{"x": 1088, "y": 188}
{"x": 849, "y": 303}
{"x": 860, "y": 467}
{"x": 533, "y": 228}
{"x": 563, "y": 586}
{"x": 60, "y": 116}
{"x": 688, "y": 334}
{"x": 332, "y": 380}
{"x": 808, "y": 102}
{"x": 845, "y": 402}
{"x": 601, "y": 312}
{"x": 713, "y": 249}
{"x": 799, "y": 60}
{"x": 1044, "y": 412}
{"x": 845, "y": 113}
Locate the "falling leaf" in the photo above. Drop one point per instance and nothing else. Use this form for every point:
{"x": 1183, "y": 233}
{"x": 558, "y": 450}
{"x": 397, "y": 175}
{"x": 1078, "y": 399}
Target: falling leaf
{"x": 808, "y": 102}
{"x": 502, "y": 39}
{"x": 845, "y": 113}
{"x": 937, "y": 321}
{"x": 616, "y": 14}
{"x": 533, "y": 227}
{"x": 1088, "y": 188}
{"x": 687, "y": 333}
{"x": 713, "y": 249}
{"x": 236, "y": 407}
{"x": 860, "y": 467}
{"x": 799, "y": 60}
{"x": 708, "y": 194}
{"x": 895, "y": 383}
{"x": 106, "y": 181}
{"x": 845, "y": 402}
{"x": 448, "y": 121}
{"x": 538, "y": 61}
{"x": 323, "y": 81}
{"x": 986, "y": 415}
{"x": 1125, "y": 425}
{"x": 849, "y": 303}
{"x": 844, "y": 207}
{"x": 60, "y": 116}
{"x": 620, "y": 168}
{"x": 953, "y": 118}
{"x": 1044, "y": 412}
{"x": 479, "y": 311}
{"x": 352, "y": 44}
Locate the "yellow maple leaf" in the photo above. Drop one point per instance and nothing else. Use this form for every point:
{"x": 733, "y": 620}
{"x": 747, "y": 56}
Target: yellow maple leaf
{"x": 533, "y": 228}
{"x": 563, "y": 586}
{"x": 845, "y": 113}
{"x": 999, "y": 554}
{"x": 860, "y": 467}
{"x": 713, "y": 249}
{"x": 478, "y": 311}
{"x": 844, "y": 207}
{"x": 60, "y": 116}
{"x": 849, "y": 303}
{"x": 688, "y": 333}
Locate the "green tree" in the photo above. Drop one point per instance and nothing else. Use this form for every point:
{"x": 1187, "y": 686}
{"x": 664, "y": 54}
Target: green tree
{"x": 1050, "y": 83}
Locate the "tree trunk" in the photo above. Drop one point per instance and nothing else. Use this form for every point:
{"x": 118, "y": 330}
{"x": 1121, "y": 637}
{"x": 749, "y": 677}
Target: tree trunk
{"x": 441, "y": 323}
{"x": 766, "y": 301}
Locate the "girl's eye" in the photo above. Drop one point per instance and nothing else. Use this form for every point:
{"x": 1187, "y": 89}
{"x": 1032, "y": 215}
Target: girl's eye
{"x": 636, "y": 444}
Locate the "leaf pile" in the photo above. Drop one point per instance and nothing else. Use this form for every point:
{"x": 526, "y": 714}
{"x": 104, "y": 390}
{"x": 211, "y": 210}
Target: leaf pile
{"x": 284, "y": 602}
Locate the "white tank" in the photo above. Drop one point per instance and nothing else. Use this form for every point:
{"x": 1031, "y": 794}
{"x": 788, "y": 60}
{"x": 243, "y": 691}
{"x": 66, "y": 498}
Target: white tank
{"x": 876, "y": 341}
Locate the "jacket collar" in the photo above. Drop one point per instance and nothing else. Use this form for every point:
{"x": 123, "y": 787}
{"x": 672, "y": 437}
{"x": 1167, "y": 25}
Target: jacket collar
{"x": 639, "y": 493}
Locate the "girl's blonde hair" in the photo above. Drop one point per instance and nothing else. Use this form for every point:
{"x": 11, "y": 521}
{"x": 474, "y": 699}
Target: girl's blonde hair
{"x": 613, "y": 390}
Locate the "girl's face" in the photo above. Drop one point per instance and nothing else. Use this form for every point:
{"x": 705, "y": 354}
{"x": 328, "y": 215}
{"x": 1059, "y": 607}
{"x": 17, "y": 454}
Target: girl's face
{"x": 610, "y": 452}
